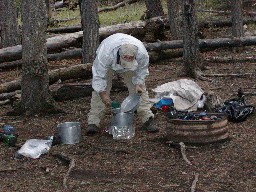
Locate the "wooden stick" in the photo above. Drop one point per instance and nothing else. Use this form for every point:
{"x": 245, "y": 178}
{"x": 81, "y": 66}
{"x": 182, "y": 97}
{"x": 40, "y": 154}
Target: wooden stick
{"x": 63, "y": 157}
{"x": 228, "y": 75}
{"x": 193, "y": 187}
{"x": 8, "y": 170}
{"x": 183, "y": 152}
{"x": 71, "y": 166}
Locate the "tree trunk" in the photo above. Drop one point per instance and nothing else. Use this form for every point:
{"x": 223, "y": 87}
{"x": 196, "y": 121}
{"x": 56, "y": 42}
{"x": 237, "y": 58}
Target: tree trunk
{"x": 90, "y": 26}
{"x": 154, "y": 9}
{"x": 174, "y": 19}
{"x": 190, "y": 39}
{"x": 9, "y": 35}
{"x": 237, "y": 18}
{"x": 35, "y": 97}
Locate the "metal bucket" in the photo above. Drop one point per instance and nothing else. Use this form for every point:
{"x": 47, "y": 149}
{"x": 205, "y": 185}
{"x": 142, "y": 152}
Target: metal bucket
{"x": 122, "y": 124}
{"x": 69, "y": 132}
{"x": 122, "y": 119}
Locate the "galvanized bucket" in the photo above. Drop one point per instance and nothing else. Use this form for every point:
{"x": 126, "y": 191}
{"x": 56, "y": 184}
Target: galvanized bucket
{"x": 69, "y": 132}
{"x": 122, "y": 124}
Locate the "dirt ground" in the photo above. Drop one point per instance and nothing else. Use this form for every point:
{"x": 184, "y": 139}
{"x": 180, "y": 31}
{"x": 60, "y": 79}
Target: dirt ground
{"x": 146, "y": 162}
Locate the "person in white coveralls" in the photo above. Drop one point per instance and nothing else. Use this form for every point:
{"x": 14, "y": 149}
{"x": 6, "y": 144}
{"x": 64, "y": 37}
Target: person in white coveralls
{"x": 127, "y": 57}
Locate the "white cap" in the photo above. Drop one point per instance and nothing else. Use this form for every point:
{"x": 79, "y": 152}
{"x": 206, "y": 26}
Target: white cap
{"x": 129, "y": 50}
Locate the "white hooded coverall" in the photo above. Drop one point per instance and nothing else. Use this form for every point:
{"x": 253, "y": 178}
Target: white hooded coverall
{"x": 105, "y": 64}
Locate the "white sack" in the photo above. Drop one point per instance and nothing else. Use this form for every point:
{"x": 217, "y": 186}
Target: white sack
{"x": 184, "y": 92}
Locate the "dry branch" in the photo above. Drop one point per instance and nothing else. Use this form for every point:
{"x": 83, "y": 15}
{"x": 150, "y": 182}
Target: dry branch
{"x": 183, "y": 152}
{"x": 193, "y": 187}
{"x": 67, "y": 160}
{"x": 249, "y": 13}
{"x": 230, "y": 59}
{"x": 229, "y": 75}
{"x": 71, "y": 166}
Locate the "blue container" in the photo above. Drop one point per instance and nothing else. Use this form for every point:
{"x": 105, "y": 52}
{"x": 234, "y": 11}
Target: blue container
{"x": 8, "y": 129}
{"x": 164, "y": 102}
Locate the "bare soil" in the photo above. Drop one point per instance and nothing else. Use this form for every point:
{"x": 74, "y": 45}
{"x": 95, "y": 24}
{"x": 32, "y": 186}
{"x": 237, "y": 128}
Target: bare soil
{"x": 146, "y": 162}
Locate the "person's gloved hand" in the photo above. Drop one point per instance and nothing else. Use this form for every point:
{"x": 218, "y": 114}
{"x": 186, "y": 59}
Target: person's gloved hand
{"x": 105, "y": 98}
{"x": 139, "y": 90}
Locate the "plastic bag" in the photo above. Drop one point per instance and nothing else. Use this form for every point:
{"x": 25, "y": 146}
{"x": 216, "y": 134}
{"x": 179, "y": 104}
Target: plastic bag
{"x": 236, "y": 109}
{"x": 33, "y": 148}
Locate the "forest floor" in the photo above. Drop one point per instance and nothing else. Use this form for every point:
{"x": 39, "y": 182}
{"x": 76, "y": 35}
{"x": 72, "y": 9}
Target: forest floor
{"x": 146, "y": 162}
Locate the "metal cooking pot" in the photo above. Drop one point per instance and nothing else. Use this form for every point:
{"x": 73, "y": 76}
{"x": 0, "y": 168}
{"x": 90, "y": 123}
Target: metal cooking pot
{"x": 69, "y": 132}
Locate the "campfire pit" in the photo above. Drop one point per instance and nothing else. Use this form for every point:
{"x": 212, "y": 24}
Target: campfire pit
{"x": 198, "y": 131}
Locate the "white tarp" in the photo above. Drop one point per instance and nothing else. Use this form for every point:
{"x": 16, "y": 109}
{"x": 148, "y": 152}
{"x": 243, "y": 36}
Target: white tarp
{"x": 184, "y": 92}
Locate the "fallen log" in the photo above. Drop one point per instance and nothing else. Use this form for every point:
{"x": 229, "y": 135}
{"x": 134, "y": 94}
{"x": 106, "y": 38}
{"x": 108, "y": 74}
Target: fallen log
{"x": 118, "y": 5}
{"x": 7, "y": 101}
{"x": 74, "y": 53}
{"x": 57, "y": 43}
{"x": 69, "y": 54}
{"x": 203, "y": 43}
{"x": 68, "y": 29}
{"x": 82, "y": 71}
{"x": 63, "y": 92}
{"x": 156, "y": 49}
{"x": 10, "y": 96}
{"x": 202, "y": 24}
{"x": 222, "y": 23}
{"x": 11, "y": 65}
{"x": 77, "y": 53}
{"x": 78, "y": 90}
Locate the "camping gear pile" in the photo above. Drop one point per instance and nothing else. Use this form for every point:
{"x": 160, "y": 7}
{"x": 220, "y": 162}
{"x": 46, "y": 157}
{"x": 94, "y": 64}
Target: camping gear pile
{"x": 183, "y": 102}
